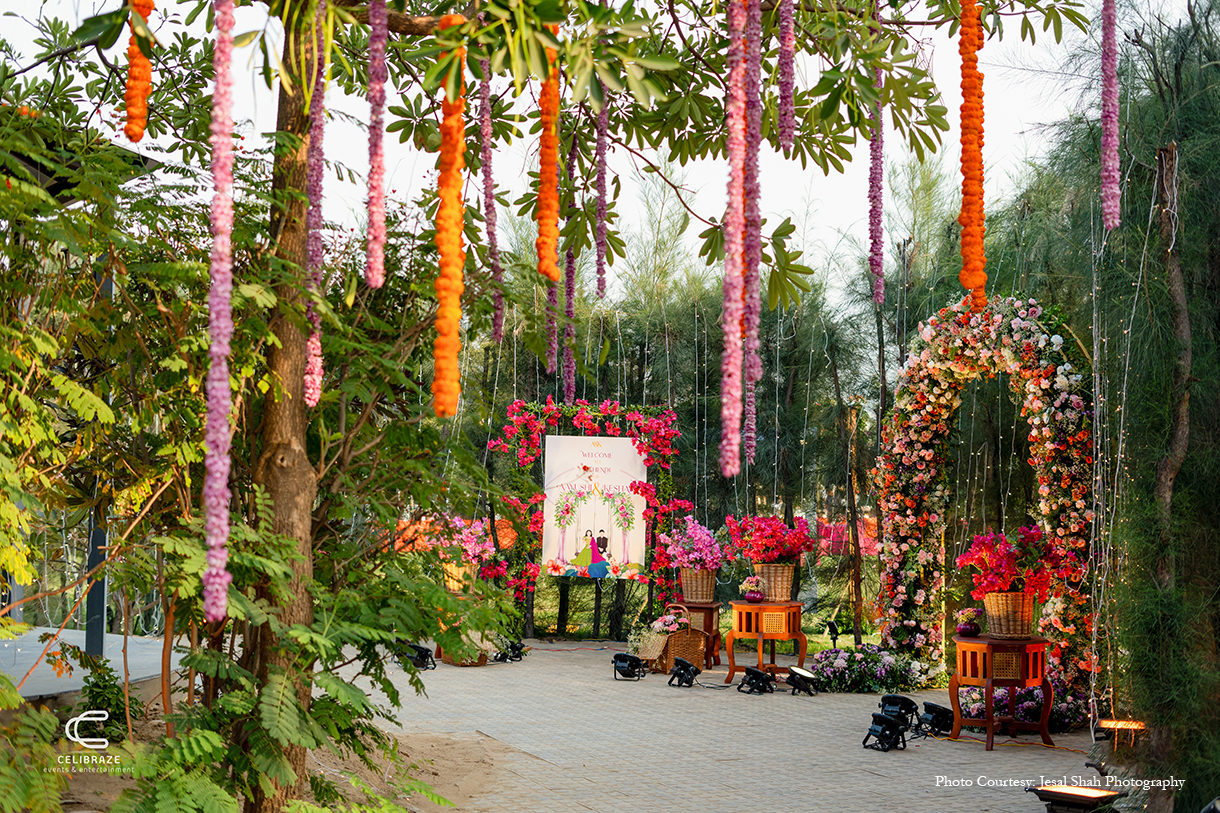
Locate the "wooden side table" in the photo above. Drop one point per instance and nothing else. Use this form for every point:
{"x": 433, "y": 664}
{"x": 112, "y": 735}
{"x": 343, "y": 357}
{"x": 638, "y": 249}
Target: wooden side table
{"x": 705, "y": 617}
{"x": 765, "y": 621}
{"x": 991, "y": 662}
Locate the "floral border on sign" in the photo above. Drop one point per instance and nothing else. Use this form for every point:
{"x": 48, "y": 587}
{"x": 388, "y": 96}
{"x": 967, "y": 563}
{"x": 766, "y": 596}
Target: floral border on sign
{"x": 951, "y": 349}
{"x": 652, "y": 432}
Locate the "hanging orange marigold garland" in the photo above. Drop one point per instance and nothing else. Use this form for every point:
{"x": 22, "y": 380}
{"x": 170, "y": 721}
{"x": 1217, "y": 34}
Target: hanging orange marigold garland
{"x": 139, "y": 78}
{"x": 450, "y": 218}
{"x": 547, "y": 213}
{"x": 974, "y": 261}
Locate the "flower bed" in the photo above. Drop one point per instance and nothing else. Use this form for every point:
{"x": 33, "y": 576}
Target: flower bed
{"x": 868, "y": 669}
{"x": 1069, "y": 710}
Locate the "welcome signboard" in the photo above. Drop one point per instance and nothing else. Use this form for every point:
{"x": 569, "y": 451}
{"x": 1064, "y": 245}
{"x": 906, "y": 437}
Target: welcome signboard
{"x": 592, "y": 524}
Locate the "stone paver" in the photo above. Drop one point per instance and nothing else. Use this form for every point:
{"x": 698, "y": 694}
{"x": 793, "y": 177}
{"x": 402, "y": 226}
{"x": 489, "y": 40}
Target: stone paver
{"x": 586, "y": 742}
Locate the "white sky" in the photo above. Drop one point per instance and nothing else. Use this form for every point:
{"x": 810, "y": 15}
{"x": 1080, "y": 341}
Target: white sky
{"x": 825, "y": 209}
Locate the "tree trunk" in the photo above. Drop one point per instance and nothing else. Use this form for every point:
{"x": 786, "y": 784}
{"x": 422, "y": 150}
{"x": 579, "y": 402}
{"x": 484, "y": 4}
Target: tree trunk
{"x": 283, "y": 468}
{"x": 881, "y": 398}
{"x": 617, "y": 610}
{"x": 565, "y": 589}
{"x": 1161, "y": 737}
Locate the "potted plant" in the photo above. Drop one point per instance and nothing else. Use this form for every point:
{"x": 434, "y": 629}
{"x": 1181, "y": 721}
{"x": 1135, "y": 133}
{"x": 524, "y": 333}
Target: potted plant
{"x": 773, "y": 547}
{"x": 753, "y": 589}
{"x": 694, "y": 550}
{"x": 1009, "y": 575}
{"x": 968, "y": 622}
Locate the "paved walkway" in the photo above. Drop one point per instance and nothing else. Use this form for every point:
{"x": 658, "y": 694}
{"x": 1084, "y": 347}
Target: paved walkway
{"x": 585, "y": 742}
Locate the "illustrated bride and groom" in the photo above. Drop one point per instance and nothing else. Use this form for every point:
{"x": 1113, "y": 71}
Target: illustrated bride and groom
{"x": 594, "y": 553}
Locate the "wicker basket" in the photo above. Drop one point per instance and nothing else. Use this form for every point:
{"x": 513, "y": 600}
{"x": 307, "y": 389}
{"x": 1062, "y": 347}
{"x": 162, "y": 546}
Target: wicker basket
{"x": 688, "y": 643}
{"x": 778, "y": 579}
{"x": 480, "y": 660}
{"x": 456, "y": 575}
{"x": 698, "y": 586}
{"x": 1009, "y": 615}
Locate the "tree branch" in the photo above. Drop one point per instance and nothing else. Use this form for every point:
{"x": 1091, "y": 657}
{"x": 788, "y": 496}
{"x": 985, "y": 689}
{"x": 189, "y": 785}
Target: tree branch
{"x": 56, "y": 54}
{"x": 677, "y": 189}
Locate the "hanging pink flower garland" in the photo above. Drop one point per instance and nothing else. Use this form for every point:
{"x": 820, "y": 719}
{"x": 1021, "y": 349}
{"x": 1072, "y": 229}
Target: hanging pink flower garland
{"x": 753, "y": 217}
{"x": 314, "y": 250}
{"x": 734, "y": 228}
{"x": 489, "y": 203}
{"x": 569, "y": 293}
{"x": 1109, "y": 118}
{"x": 374, "y": 269}
{"x": 876, "y": 171}
{"x": 603, "y": 129}
{"x": 217, "y": 437}
{"x": 787, "y": 74}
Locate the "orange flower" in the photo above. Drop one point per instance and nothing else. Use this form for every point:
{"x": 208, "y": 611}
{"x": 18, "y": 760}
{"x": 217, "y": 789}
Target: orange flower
{"x": 547, "y": 212}
{"x": 974, "y": 261}
{"x": 139, "y": 79}
{"x": 450, "y": 219}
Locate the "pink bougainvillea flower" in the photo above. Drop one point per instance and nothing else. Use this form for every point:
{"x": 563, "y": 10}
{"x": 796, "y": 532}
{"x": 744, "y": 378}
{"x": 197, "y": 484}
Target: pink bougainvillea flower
{"x": 1109, "y": 117}
{"x": 314, "y": 251}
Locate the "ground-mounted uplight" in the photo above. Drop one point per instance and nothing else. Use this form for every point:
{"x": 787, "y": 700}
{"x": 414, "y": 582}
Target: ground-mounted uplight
{"x": 801, "y": 681}
{"x": 417, "y": 655}
{"x": 934, "y": 721}
{"x": 756, "y": 681}
{"x": 684, "y": 672}
{"x": 515, "y": 651}
{"x": 1074, "y": 798}
{"x": 629, "y": 667}
{"x": 888, "y": 733}
{"x": 832, "y": 629}
{"x": 903, "y": 709}
{"x": 1212, "y": 807}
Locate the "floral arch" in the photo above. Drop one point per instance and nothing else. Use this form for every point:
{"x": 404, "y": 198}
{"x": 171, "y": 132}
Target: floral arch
{"x": 953, "y": 348}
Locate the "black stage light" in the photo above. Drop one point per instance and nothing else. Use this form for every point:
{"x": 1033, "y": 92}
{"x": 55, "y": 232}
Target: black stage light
{"x": 514, "y": 652}
{"x": 889, "y": 733}
{"x": 630, "y": 667}
{"x": 1071, "y": 798}
{"x": 1212, "y": 807}
{"x": 684, "y": 672}
{"x": 934, "y": 721}
{"x": 756, "y": 681}
{"x": 832, "y": 629}
{"x": 417, "y": 655}
{"x": 801, "y": 680}
{"x": 903, "y": 709}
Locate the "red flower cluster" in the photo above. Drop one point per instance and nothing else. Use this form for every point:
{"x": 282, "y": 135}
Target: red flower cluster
{"x": 525, "y": 583}
{"x": 765, "y": 540}
{"x": 493, "y": 569}
{"x": 1026, "y": 566}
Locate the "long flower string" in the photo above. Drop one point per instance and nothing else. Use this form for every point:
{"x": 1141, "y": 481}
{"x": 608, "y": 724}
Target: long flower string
{"x": 547, "y": 243}
{"x": 489, "y": 204}
{"x": 374, "y": 268}
{"x": 139, "y": 79}
{"x": 1109, "y": 117}
{"x": 876, "y": 173}
{"x": 450, "y": 219}
{"x": 314, "y": 251}
{"x": 603, "y": 129}
{"x": 753, "y": 215}
{"x": 217, "y": 438}
{"x": 787, "y": 74}
{"x": 552, "y": 327}
{"x": 734, "y": 227}
{"x": 569, "y": 293}
{"x": 974, "y": 261}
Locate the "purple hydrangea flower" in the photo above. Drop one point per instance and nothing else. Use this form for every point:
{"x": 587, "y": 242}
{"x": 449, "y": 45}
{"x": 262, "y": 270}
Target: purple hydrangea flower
{"x": 876, "y": 172}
